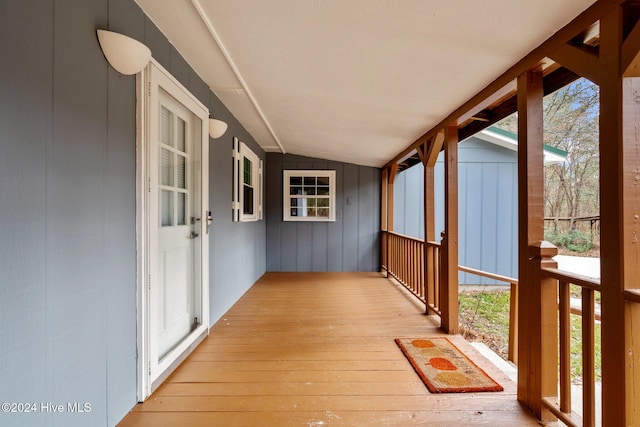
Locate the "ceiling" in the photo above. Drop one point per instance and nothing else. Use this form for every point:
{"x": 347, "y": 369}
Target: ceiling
{"x": 354, "y": 81}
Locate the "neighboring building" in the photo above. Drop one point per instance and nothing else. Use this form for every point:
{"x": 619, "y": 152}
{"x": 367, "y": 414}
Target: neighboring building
{"x": 488, "y": 198}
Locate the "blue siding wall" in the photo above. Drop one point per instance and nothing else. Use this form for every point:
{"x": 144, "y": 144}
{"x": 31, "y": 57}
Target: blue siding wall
{"x": 487, "y": 207}
{"x": 349, "y": 244}
{"x": 68, "y": 205}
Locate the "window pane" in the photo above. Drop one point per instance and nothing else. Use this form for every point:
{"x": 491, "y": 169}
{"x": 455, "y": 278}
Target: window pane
{"x": 310, "y": 191}
{"x": 166, "y": 167}
{"x": 296, "y": 202}
{"x": 181, "y": 171}
{"x": 323, "y": 191}
{"x": 182, "y": 208}
{"x": 182, "y": 135}
{"x": 247, "y": 207}
{"x": 311, "y": 211}
{"x": 323, "y": 180}
{"x": 310, "y": 180}
{"x": 247, "y": 171}
{"x": 323, "y": 212}
{"x": 166, "y": 208}
{"x": 166, "y": 127}
{"x": 295, "y": 180}
{"x": 311, "y": 202}
{"x": 296, "y": 211}
{"x": 323, "y": 202}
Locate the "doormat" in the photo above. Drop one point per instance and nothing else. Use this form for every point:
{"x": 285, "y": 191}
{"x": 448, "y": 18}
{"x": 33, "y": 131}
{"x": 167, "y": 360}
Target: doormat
{"x": 443, "y": 368}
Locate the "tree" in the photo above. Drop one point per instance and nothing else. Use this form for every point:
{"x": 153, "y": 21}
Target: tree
{"x": 570, "y": 124}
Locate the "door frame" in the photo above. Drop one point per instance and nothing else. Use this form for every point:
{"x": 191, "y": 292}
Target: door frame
{"x": 146, "y": 384}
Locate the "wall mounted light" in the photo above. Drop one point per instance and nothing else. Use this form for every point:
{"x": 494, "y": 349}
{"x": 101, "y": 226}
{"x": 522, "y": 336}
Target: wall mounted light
{"x": 217, "y": 128}
{"x": 126, "y": 55}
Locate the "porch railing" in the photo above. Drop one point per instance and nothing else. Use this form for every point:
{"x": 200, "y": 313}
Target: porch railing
{"x": 561, "y": 406}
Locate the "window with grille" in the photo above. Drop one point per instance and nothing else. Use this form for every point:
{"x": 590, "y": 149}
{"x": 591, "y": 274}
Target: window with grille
{"x": 247, "y": 203}
{"x": 309, "y": 195}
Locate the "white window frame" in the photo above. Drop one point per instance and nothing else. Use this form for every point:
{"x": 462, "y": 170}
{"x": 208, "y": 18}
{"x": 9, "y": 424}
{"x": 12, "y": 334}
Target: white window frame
{"x": 286, "y": 207}
{"x": 240, "y": 152}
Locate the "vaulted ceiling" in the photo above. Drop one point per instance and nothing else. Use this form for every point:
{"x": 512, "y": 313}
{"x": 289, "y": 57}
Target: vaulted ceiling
{"x": 352, "y": 80}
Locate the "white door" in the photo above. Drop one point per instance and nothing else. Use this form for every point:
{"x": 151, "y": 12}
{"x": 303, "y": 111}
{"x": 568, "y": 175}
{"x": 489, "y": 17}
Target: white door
{"x": 178, "y": 225}
{"x": 175, "y": 224}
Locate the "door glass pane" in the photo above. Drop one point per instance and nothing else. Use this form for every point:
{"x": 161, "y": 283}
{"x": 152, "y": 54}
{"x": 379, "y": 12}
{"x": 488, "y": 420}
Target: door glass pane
{"x": 181, "y": 135}
{"x": 166, "y": 208}
{"x": 182, "y": 209}
{"x": 166, "y": 167}
{"x": 181, "y": 172}
{"x": 166, "y": 126}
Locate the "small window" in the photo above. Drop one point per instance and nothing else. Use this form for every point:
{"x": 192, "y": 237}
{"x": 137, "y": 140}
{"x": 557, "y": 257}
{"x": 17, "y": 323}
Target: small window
{"x": 247, "y": 203}
{"x": 309, "y": 195}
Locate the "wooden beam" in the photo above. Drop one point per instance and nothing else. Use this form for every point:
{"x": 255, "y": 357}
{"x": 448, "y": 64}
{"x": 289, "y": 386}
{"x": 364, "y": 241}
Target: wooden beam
{"x": 434, "y": 148}
{"x": 553, "y": 81}
{"x": 530, "y": 233}
{"x": 422, "y": 153}
{"x": 631, "y": 53}
{"x": 581, "y": 60}
{"x": 619, "y": 213}
{"x": 493, "y": 98}
{"x": 575, "y": 27}
{"x": 449, "y": 282}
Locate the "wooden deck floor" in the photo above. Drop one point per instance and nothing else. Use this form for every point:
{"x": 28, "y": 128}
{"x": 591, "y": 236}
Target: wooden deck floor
{"x": 317, "y": 349}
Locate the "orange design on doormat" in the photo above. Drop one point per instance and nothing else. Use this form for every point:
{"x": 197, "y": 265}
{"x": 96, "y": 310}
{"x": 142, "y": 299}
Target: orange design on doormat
{"x": 423, "y": 343}
{"x": 442, "y": 364}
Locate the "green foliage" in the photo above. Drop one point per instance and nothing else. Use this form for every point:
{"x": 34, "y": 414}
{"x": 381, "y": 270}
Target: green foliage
{"x": 488, "y": 312}
{"x": 573, "y": 240}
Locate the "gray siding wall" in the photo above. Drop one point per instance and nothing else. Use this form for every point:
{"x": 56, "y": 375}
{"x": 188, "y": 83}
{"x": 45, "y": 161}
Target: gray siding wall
{"x": 349, "y": 244}
{"x": 487, "y": 214}
{"x": 68, "y": 204}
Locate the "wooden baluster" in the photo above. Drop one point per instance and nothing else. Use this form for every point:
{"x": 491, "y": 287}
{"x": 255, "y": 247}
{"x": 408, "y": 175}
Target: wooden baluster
{"x": 513, "y": 323}
{"x": 565, "y": 347}
{"x": 588, "y": 359}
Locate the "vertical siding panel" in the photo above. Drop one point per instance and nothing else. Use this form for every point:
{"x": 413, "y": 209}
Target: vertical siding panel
{"x": 120, "y": 207}
{"x": 336, "y": 229}
{"x": 400, "y": 203}
{"x": 489, "y": 231}
{"x": 366, "y": 219}
{"x": 76, "y": 210}
{"x": 414, "y": 197}
{"x": 179, "y": 68}
{"x": 158, "y": 43}
{"x": 350, "y": 215}
{"x": 273, "y": 212}
{"x": 25, "y": 135}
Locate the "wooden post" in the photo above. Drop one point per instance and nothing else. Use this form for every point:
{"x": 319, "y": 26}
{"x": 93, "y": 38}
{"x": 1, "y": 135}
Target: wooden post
{"x": 449, "y": 273}
{"x": 619, "y": 213}
{"x": 530, "y": 232}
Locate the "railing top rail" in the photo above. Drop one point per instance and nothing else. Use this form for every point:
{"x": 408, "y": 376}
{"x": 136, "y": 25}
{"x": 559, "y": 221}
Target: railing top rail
{"x": 488, "y": 275}
{"x": 576, "y": 279}
{"x": 431, "y": 243}
{"x": 403, "y": 236}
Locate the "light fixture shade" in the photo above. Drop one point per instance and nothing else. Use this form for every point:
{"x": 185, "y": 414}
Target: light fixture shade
{"x": 126, "y": 55}
{"x": 217, "y": 128}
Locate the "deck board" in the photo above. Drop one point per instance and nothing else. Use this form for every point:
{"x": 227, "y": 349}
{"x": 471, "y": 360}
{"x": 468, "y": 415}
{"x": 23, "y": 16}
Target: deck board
{"x": 317, "y": 349}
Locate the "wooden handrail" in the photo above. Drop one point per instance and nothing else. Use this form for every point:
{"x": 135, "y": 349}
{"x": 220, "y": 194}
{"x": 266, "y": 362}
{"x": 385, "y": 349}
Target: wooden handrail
{"x": 576, "y": 279}
{"x": 488, "y": 275}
